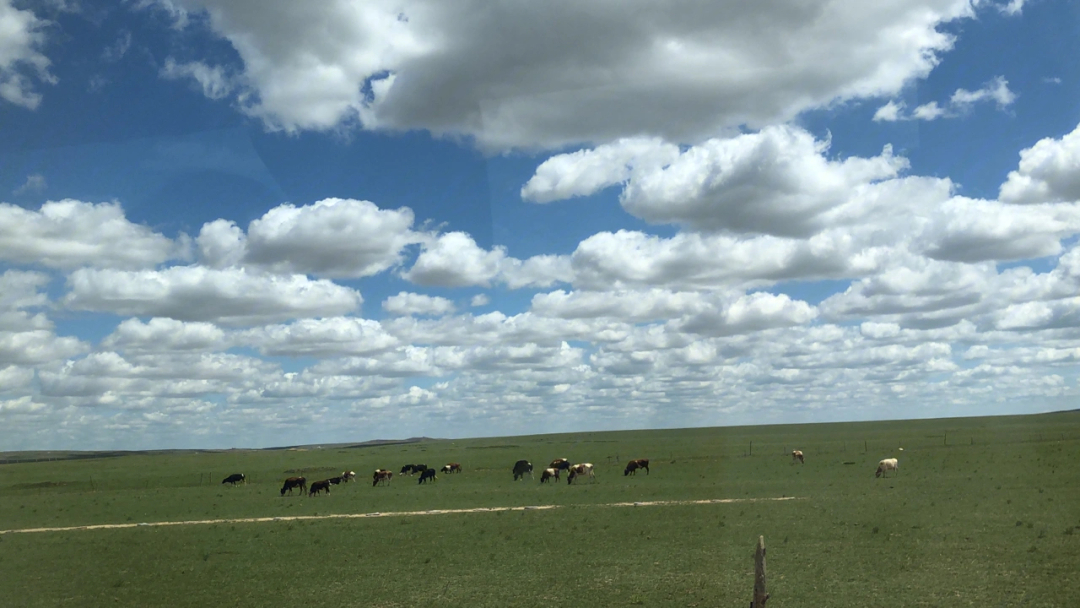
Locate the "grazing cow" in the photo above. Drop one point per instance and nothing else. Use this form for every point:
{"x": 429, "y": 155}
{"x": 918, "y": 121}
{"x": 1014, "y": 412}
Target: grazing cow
{"x": 584, "y": 469}
{"x": 348, "y": 476}
{"x": 888, "y": 464}
{"x": 522, "y": 467}
{"x": 634, "y": 465}
{"x": 427, "y": 474}
{"x": 549, "y": 473}
{"x": 409, "y": 469}
{"x": 335, "y": 480}
{"x": 294, "y": 482}
{"x": 453, "y": 467}
{"x": 797, "y": 455}
{"x": 381, "y": 475}
{"x": 320, "y": 486}
{"x": 560, "y": 464}
{"x": 234, "y": 479}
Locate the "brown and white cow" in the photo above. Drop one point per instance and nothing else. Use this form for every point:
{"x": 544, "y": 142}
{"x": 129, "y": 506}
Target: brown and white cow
{"x": 453, "y": 467}
{"x": 796, "y": 455}
{"x": 294, "y": 482}
{"x": 584, "y": 469}
{"x": 549, "y": 473}
{"x": 633, "y": 466}
{"x": 348, "y": 476}
{"x": 381, "y": 476}
{"x": 320, "y": 486}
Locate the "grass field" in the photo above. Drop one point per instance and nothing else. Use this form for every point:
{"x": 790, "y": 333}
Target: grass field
{"x": 983, "y": 512}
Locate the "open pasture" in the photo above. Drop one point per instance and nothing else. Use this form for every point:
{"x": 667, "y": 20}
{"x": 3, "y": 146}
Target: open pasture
{"x": 982, "y": 512}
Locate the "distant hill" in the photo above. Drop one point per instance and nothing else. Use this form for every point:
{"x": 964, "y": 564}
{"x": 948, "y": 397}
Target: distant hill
{"x": 47, "y": 455}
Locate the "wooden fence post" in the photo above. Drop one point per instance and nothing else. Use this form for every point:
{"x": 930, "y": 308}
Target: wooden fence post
{"x": 760, "y": 597}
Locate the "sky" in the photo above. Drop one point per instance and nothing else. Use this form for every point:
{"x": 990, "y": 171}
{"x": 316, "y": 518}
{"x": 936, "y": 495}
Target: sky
{"x": 229, "y": 224}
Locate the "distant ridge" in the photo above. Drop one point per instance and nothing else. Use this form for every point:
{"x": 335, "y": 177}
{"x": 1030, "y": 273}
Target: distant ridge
{"x": 49, "y": 455}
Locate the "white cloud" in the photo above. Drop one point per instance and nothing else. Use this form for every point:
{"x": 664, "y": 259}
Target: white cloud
{"x": 479, "y": 299}
{"x": 1049, "y": 171}
{"x": 586, "y": 172}
{"x": 776, "y": 181}
{"x": 406, "y": 303}
{"x": 960, "y": 103}
{"x": 68, "y": 234}
{"x": 454, "y": 259}
{"x": 213, "y": 80}
{"x": 751, "y": 312}
{"x": 165, "y": 335}
{"x": 501, "y": 76}
{"x": 1012, "y": 7}
{"x": 34, "y": 184}
{"x": 336, "y": 336}
{"x": 997, "y": 90}
{"x": 22, "y": 36}
{"x": 20, "y": 289}
{"x": 193, "y": 293}
{"x": 928, "y": 111}
{"x": 332, "y": 237}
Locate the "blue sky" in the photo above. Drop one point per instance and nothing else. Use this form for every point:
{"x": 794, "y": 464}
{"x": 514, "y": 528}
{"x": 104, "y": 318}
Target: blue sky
{"x": 231, "y": 225}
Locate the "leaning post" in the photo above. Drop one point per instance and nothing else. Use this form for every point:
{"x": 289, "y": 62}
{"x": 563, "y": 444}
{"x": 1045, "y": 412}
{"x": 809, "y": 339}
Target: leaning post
{"x": 760, "y": 597}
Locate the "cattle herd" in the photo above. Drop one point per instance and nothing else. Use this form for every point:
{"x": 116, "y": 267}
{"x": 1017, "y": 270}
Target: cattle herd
{"x": 553, "y": 472}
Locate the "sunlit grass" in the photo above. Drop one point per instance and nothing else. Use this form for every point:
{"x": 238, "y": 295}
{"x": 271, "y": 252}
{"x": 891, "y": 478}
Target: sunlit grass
{"x": 986, "y": 515}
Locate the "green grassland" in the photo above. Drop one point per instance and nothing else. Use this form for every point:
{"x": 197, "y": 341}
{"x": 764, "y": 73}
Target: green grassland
{"x": 984, "y": 511}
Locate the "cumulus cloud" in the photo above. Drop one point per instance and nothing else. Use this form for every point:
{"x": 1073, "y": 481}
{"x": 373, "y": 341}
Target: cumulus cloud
{"x": 751, "y": 312}
{"x": 454, "y": 259}
{"x": 332, "y": 237}
{"x": 1049, "y": 171}
{"x": 406, "y": 303}
{"x": 336, "y": 336}
{"x": 69, "y": 233}
{"x": 500, "y": 74}
{"x": 165, "y": 335}
{"x": 232, "y": 296}
{"x": 22, "y": 61}
{"x": 776, "y": 181}
{"x": 586, "y": 172}
{"x": 961, "y": 102}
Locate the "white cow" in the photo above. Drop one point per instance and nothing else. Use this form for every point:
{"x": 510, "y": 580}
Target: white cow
{"x": 888, "y": 464}
{"x": 797, "y": 455}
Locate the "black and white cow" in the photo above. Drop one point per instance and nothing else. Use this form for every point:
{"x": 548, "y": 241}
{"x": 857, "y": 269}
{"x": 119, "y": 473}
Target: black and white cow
{"x": 522, "y": 467}
{"x": 234, "y": 479}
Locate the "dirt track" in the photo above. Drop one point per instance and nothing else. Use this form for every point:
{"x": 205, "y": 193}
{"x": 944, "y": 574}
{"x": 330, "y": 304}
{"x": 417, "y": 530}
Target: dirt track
{"x": 203, "y": 522}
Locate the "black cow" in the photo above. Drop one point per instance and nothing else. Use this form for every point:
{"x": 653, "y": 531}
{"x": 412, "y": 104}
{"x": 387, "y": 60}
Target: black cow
{"x": 294, "y": 482}
{"x": 409, "y": 469}
{"x": 427, "y": 474}
{"x": 336, "y": 480}
{"x": 522, "y": 467}
{"x": 320, "y": 486}
{"x": 234, "y": 479}
{"x": 634, "y": 465}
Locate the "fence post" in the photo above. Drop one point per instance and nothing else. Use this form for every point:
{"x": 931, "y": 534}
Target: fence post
{"x": 760, "y": 597}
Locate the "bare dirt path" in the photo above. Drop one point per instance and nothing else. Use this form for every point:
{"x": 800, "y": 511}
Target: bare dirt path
{"x": 247, "y": 520}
